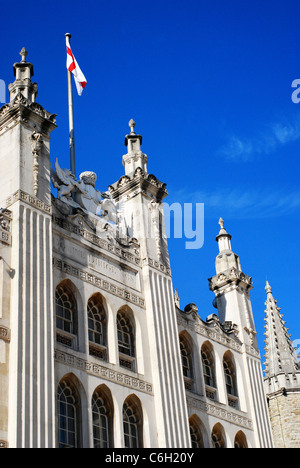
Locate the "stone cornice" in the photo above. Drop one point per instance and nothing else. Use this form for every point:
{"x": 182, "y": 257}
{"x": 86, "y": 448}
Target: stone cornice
{"x": 212, "y": 330}
{"x": 106, "y": 373}
{"x": 284, "y": 391}
{"x": 131, "y": 256}
{"x": 35, "y": 202}
{"x": 219, "y": 412}
{"x": 21, "y": 109}
{"x": 231, "y": 276}
{"x": 137, "y": 182}
{"x": 98, "y": 281}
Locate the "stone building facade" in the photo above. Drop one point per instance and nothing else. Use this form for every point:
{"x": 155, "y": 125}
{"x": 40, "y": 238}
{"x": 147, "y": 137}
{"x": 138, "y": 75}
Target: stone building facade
{"x": 95, "y": 350}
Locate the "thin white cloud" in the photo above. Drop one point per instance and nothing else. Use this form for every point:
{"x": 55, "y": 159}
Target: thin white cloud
{"x": 241, "y": 204}
{"x": 275, "y": 135}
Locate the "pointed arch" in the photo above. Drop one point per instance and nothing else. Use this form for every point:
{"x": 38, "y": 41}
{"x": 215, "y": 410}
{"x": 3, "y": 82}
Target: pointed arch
{"x": 197, "y": 432}
{"x": 126, "y": 337}
{"x": 97, "y": 326}
{"x": 103, "y": 416}
{"x": 187, "y": 361}
{"x": 133, "y": 422}
{"x": 218, "y": 437}
{"x": 69, "y": 412}
{"x": 230, "y": 378}
{"x": 66, "y": 312}
{"x": 240, "y": 440}
{"x": 209, "y": 369}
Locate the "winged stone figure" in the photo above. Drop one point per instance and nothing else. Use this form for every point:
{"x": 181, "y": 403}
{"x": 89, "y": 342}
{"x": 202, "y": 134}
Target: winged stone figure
{"x": 66, "y": 184}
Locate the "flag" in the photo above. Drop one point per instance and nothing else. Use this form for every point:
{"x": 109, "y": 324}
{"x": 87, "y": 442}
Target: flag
{"x": 74, "y": 68}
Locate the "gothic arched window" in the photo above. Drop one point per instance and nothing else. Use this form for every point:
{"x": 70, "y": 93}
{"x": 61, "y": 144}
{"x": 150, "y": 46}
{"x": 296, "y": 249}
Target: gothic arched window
{"x": 240, "y": 440}
{"x": 102, "y": 419}
{"x": 66, "y": 314}
{"x": 218, "y": 436}
{"x": 132, "y": 424}
{"x": 208, "y": 366}
{"x": 230, "y": 379}
{"x": 125, "y": 340}
{"x": 97, "y": 327}
{"x": 186, "y": 361}
{"x": 196, "y": 434}
{"x": 68, "y": 407}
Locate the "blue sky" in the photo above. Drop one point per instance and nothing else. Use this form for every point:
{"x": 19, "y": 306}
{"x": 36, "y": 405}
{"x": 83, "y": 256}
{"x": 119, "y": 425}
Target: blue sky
{"x": 209, "y": 86}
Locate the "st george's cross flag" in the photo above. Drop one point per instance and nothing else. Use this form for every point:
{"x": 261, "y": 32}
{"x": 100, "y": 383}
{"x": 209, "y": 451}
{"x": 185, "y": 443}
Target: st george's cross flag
{"x": 74, "y": 68}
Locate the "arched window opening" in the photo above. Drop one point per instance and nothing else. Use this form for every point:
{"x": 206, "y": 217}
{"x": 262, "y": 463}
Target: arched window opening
{"x": 66, "y": 315}
{"x": 218, "y": 437}
{"x": 208, "y": 366}
{"x": 230, "y": 379}
{"x": 97, "y": 327}
{"x": 125, "y": 341}
{"x": 196, "y": 434}
{"x": 240, "y": 440}
{"x": 102, "y": 420}
{"x": 68, "y": 407}
{"x": 132, "y": 424}
{"x": 187, "y": 362}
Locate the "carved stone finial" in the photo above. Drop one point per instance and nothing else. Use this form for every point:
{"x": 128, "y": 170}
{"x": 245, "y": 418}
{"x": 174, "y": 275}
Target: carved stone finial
{"x": 131, "y": 125}
{"x": 23, "y": 54}
{"x": 221, "y": 223}
{"x": 268, "y": 288}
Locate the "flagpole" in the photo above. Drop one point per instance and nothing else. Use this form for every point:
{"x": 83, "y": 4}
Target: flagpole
{"x": 71, "y": 119}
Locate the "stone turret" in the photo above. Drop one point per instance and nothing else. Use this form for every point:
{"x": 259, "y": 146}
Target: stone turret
{"x": 23, "y": 72}
{"x": 134, "y": 158}
{"x": 231, "y": 287}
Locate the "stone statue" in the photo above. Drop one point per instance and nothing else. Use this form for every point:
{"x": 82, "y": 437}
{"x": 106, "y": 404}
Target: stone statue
{"x": 83, "y": 195}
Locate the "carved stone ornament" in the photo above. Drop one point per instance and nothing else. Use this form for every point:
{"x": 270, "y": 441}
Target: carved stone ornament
{"x": 252, "y": 333}
{"x": 82, "y": 195}
{"x": 155, "y": 225}
{"x": 20, "y": 99}
{"x": 177, "y": 299}
{"x": 36, "y": 146}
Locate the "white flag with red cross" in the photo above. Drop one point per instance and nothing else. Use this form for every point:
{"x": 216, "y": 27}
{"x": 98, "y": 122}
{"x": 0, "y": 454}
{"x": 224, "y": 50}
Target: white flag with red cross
{"x": 74, "y": 68}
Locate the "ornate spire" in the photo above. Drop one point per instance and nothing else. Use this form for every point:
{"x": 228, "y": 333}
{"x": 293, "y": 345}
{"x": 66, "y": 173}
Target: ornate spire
{"x": 223, "y": 238}
{"x": 23, "y": 85}
{"x": 226, "y": 259}
{"x": 134, "y": 157}
{"x": 280, "y": 354}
